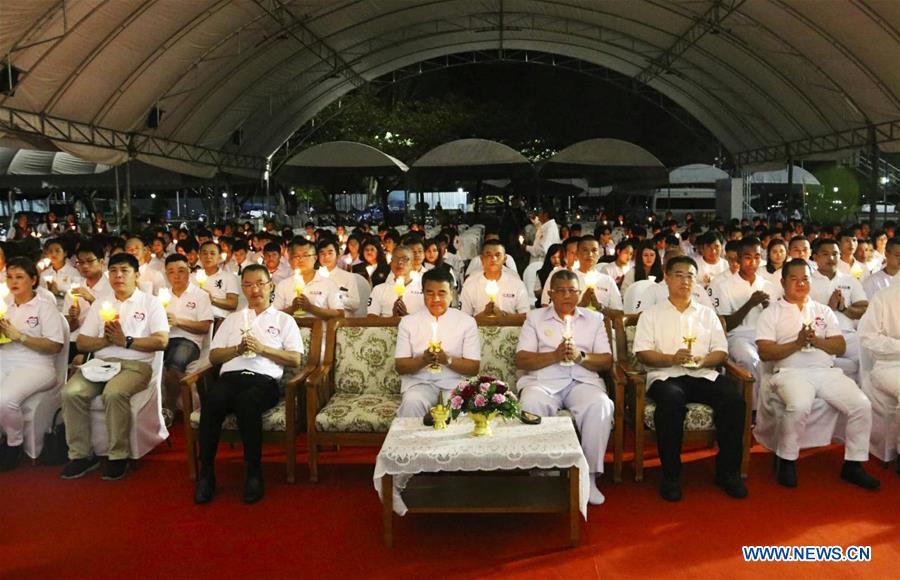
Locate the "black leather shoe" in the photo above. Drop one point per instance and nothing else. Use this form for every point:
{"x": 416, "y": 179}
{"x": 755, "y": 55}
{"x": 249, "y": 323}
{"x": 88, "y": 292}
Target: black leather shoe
{"x": 253, "y": 488}
{"x": 205, "y": 489}
{"x": 12, "y": 457}
{"x": 78, "y": 467}
{"x": 115, "y": 469}
{"x": 670, "y": 489}
{"x": 733, "y": 485}
{"x": 787, "y": 472}
{"x": 853, "y": 472}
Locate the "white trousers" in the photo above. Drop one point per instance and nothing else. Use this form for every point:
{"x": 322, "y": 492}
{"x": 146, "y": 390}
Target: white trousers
{"x": 417, "y": 400}
{"x": 886, "y": 389}
{"x": 742, "y": 350}
{"x": 591, "y": 408}
{"x": 16, "y": 385}
{"x": 798, "y": 388}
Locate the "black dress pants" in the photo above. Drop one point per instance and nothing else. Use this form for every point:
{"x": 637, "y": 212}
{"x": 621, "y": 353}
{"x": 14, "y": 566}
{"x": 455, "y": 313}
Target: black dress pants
{"x": 672, "y": 396}
{"x": 248, "y": 395}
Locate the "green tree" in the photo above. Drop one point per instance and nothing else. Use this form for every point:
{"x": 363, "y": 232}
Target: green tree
{"x": 836, "y": 200}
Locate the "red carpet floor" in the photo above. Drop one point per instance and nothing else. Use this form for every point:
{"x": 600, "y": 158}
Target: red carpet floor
{"x": 146, "y": 526}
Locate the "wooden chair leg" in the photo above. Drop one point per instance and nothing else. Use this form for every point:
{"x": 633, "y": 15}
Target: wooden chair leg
{"x": 312, "y": 457}
{"x": 618, "y": 447}
{"x": 290, "y": 441}
{"x": 638, "y": 446}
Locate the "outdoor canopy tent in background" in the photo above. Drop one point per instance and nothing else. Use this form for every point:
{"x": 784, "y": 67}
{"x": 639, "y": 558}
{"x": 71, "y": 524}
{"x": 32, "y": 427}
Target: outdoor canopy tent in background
{"x": 799, "y": 176}
{"x": 697, "y": 173}
{"x": 469, "y": 159}
{"x": 342, "y": 158}
{"x": 605, "y": 162}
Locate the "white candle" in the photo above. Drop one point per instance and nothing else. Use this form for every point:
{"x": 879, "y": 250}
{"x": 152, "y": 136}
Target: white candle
{"x": 3, "y": 308}
{"x": 399, "y": 287}
{"x": 689, "y": 326}
{"x": 521, "y": 240}
{"x": 107, "y": 312}
{"x": 201, "y": 278}
{"x": 568, "y": 320}
{"x": 164, "y": 297}
{"x": 75, "y": 286}
{"x": 434, "y": 332}
{"x": 223, "y": 256}
{"x": 4, "y": 290}
{"x": 299, "y": 283}
{"x": 246, "y": 318}
{"x": 590, "y": 279}
{"x": 492, "y": 289}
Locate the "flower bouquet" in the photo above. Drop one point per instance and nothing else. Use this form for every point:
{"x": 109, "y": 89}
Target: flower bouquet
{"x": 482, "y": 399}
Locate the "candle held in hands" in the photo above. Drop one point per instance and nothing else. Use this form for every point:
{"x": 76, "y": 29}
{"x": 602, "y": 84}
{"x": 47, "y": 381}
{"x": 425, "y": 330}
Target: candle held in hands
{"x": 492, "y": 289}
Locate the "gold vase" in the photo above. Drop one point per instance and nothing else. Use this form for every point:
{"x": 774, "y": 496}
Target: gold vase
{"x": 482, "y": 424}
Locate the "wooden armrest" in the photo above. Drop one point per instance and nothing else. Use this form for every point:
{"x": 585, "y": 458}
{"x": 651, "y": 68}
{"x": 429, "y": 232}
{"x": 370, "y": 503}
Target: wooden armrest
{"x": 319, "y": 388}
{"x": 737, "y": 371}
{"x": 631, "y": 319}
{"x": 292, "y": 386}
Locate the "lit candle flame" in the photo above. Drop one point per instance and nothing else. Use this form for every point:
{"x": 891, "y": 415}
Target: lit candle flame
{"x": 399, "y": 287}
{"x": 201, "y": 278}
{"x": 165, "y": 297}
{"x": 590, "y": 279}
{"x": 492, "y": 289}
{"x": 107, "y": 312}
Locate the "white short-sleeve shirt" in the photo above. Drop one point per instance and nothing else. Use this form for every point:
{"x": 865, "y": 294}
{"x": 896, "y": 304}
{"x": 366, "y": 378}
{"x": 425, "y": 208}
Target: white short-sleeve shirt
{"x": 544, "y": 330}
{"x": 322, "y": 292}
{"x": 512, "y": 295}
{"x": 194, "y": 305}
{"x": 730, "y": 292}
{"x": 273, "y": 328}
{"x": 381, "y": 301}
{"x": 659, "y": 292}
{"x": 140, "y": 316}
{"x": 151, "y": 280}
{"x": 458, "y": 335}
{"x": 38, "y": 318}
{"x": 781, "y": 323}
{"x": 661, "y": 328}
{"x": 101, "y": 291}
{"x": 219, "y": 285}
{"x": 707, "y": 272}
{"x": 821, "y": 288}
{"x": 606, "y": 290}
{"x": 879, "y": 328}
{"x": 875, "y": 282}
{"x": 347, "y": 288}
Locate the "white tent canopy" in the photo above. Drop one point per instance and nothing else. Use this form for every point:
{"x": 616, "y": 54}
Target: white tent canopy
{"x": 754, "y": 73}
{"x": 696, "y": 173}
{"x": 470, "y": 153}
{"x": 801, "y": 176}
{"x": 346, "y": 156}
{"x": 31, "y": 162}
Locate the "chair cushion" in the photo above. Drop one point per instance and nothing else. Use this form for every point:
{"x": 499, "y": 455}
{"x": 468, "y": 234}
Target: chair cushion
{"x": 699, "y": 417}
{"x": 275, "y": 419}
{"x": 364, "y": 361}
{"x": 365, "y": 413}
{"x": 498, "y": 352}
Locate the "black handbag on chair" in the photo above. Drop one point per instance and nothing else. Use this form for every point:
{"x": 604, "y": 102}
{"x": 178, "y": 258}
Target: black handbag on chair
{"x": 56, "y": 450}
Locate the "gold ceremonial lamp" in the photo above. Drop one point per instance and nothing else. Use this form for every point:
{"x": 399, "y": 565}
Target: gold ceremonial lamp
{"x": 689, "y": 343}
{"x": 434, "y": 347}
{"x": 440, "y": 413}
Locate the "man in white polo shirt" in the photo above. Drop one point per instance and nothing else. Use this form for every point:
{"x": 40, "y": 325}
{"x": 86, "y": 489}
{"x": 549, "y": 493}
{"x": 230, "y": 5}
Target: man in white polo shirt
{"x": 149, "y": 280}
{"x": 511, "y": 296}
{"x": 679, "y": 373}
{"x": 384, "y": 300}
{"x": 253, "y": 345}
{"x": 782, "y": 332}
{"x": 879, "y": 332}
{"x": 318, "y": 295}
{"x": 883, "y": 278}
{"x": 710, "y": 263}
{"x": 741, "y": 298}
{"x": 139, "y": 330}
{"x": 841, "y": 292}
{"x": 605, "y": 294}
{"x": 425, "y": 374}
{"x": 221, "y": 285}
{"x": 94, "y": 287}
{"x": 563, "y": 373}
{"x": 190, "y": 315}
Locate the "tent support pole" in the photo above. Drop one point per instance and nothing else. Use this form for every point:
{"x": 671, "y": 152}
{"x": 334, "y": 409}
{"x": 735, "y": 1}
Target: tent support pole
{"x": 874, "y": 154}
{"x": 128, "y": 195}
{"x": 118, "y": 201}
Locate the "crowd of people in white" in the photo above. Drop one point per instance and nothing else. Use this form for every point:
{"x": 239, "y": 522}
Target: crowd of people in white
{"x": 812, "y": 312}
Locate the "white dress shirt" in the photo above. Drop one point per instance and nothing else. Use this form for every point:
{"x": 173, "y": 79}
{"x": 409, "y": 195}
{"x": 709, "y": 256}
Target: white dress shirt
{"x": 322, "y": 292}
{"x": 606, "y": 290}
{"x": 659, "y": 292}
{"x": 347, "y": 288}
{"x": 381, "y": 301}
{"x": 140, "y": 316}
{"x": 194, "y": 305}
{"x": 102, "y": 291}
{"x": 730, "y": 292}
{"x": 544, "y": 330}
{"x": 879, "y": 328}
{"x": 475, "y": 266}
{"x": 875, "y": 282}
{"x": 273, "y": 328}
{"x": 662, "y": 328}
{"x": 821, "y": 287}
{"x": 512, "y": 296}
{"x": 38, "y": 318}
{"x": 458, "y": 335}
{"x": 707, "y": 272}
{"x": 781, "y": 322}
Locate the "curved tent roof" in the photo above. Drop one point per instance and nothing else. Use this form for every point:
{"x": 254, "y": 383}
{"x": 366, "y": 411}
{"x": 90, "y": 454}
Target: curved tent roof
{"x": 606, "y": 161}
{"x": 343, "y": 158}
{"x": 781, "y": 176}
{"x": 469, "y": 158}
{"x": 696, "y": 173}
{"x": 31, "y": 162}
{"x": 754, "y": 73}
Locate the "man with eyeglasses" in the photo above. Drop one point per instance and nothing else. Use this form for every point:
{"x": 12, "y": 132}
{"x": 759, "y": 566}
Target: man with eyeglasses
{"x": 802, "y": 337}
{"x": 562, "y": 371}
{"x": 385, "y": 300}
{"x": 130, "y": 340}
{"x": 316, "y": 295}
{"x": 681, "y": 372}
{"x": 95, "y": 287}
{"x": 253, "y": 346}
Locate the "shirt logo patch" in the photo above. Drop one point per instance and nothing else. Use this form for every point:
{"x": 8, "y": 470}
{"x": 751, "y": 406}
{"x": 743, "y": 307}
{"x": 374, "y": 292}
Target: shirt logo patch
{"x": 32, "y": 321}
{"x": 139, "y": 316}
{"x": 219, "y": 283}
{"x": 191, "y": 305}
{"x": 273, "y": 331}
{"x": 548, "y": 332}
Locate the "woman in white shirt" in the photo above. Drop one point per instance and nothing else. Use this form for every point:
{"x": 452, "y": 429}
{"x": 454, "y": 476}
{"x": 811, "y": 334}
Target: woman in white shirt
{"x": 776, "y": 255}
{"x": 33, "y": 335}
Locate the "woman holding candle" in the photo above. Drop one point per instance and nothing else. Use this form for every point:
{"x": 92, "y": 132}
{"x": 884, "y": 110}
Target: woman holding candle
{"x": 307, "y": 292}
{"x": 374, "y": 266}
{"x": 451, "y": 345}
{"x": 60, "y": 274}
{"x": 32, "y": 334}
{"x": 562, "y": 348}
{"x": 350, "y": 257}
{"x": 253, "y": 345}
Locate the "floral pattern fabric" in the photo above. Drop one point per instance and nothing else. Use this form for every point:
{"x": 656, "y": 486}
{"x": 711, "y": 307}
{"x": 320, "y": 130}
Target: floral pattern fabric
{"x": 699, "y": 417}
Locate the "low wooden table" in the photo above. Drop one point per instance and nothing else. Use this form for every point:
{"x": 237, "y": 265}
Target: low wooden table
{"x": 420, "y": 470}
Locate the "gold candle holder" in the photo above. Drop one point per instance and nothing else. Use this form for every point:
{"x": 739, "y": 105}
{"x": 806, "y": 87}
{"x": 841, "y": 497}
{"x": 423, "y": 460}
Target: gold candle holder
{"x": 440, "y": 413}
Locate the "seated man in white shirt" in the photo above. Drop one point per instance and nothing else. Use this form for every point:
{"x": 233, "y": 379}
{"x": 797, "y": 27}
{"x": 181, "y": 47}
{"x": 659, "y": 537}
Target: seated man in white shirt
{"x": 509, "y": 296}
{"x": 509, "y": 263}
{"x": 253, "y": 346}
{"x": 150, "y": 281}
{"x": 600, "y": 290}
{"x": 800, "y": 376}
{"x": 328, "y": 251}
{"x": 710, "y": 263}
{"x": 562, "y": 372}
{"x": 841, "y": 292}
{"x": 190, "y": 315}
{"x": 307, "y": 292}
{"x": 221, "y": 286}
{"x": 741, "y": 298}
{"x": 240, "y": 257}
{"x": 427, "y": 372}
{"x": 139, "y": 330}
{"x": 847, "y": 262}
{"x": 883, "y": 278}
{"x": 879, "y": 332}
{"x": 387, "y": 300}
{"x": 278, "y": 269}
{"x": 677, "y": 376}
{"x": 95, "y": 286}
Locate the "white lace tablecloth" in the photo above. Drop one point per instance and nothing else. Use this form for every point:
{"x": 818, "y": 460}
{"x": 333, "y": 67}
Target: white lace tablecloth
{"x": 412, "y": 448}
